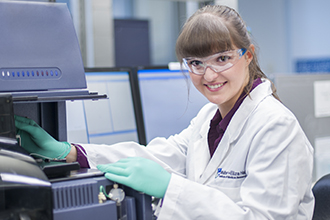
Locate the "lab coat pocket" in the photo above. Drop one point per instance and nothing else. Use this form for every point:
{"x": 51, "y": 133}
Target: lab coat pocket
{"x": 230, "y": 187}
{"x": 232, "y": 193}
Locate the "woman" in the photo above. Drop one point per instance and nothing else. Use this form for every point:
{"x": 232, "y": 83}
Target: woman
{"x": 244, "y": 156}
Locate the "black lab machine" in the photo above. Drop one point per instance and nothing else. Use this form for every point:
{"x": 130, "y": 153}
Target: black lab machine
{"x": 40, "y": 69}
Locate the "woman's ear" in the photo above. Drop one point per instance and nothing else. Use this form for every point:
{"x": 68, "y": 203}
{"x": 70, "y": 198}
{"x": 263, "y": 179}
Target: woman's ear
{"x": 249, "y": 54}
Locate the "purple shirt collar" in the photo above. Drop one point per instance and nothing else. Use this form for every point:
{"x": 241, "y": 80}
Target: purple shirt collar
{"x": 224, "y": 123}
{"x": 219, "y": 125}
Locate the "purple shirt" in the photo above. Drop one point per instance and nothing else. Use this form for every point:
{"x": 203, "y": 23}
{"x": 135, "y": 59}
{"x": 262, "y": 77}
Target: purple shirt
{"x": 218, "y": 125}
{"x": 81, "y": 156}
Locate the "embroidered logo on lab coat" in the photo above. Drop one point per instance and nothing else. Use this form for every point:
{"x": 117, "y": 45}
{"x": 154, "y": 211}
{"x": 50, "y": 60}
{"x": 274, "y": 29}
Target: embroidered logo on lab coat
{"x": 230, "y": 174}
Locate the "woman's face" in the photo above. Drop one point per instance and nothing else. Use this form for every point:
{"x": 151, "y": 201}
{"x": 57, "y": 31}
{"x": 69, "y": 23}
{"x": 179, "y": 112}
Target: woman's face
{"x": 224, "y": 88}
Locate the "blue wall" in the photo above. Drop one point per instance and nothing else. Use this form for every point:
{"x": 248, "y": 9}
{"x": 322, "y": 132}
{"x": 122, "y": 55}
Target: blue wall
{"x": 288, "y": 31}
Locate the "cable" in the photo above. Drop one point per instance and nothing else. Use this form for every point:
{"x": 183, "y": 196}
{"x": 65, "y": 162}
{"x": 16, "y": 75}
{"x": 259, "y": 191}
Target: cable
{"x": 102, "y": 196}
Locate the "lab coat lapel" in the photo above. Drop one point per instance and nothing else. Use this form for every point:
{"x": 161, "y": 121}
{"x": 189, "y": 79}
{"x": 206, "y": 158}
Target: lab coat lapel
{"x": 219, "y": 155}
{"x": 235, "y": 127}
{"x": 199, "y": 154}
{"x": 224, "y": 148}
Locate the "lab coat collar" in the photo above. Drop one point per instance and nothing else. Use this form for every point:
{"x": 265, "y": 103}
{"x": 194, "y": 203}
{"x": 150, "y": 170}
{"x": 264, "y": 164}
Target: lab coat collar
{"x": 205, "y": 128}
{"x": 249, "y": 104}
{"x": 235, "y": 127}
{"x": 239, "y": 118}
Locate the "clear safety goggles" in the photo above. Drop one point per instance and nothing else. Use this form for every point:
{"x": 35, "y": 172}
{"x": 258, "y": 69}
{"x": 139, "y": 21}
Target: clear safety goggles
{"x": 217, "y": 62}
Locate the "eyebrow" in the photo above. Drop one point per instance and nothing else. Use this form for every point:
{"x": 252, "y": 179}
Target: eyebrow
{"x": 191, "y": 58}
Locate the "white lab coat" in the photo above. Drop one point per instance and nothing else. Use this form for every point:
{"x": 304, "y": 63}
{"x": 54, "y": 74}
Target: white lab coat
{"x": 262, "y": 168}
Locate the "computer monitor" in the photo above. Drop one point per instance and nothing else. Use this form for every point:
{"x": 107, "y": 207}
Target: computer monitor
{"x": 107, "y": 121}
{"x": 169, "y": 100}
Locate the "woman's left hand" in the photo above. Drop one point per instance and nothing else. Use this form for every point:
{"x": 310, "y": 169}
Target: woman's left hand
{"x": 140, "y": 174}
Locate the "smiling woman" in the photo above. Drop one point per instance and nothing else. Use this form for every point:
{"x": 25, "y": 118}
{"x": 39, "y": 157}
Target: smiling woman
{"x": 215, "y": 86}
{"x": 244, "y": 156}
{"x": 212, "y": 30}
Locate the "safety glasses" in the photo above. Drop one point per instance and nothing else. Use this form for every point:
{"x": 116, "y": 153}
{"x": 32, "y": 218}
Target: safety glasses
{"x": 217, "y": 62}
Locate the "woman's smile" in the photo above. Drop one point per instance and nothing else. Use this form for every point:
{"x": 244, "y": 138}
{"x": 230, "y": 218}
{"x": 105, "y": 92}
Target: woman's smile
{"x": 215, "y": 86}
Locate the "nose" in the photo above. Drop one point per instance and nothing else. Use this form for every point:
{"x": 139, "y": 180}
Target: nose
{"x": 210, "y": 74}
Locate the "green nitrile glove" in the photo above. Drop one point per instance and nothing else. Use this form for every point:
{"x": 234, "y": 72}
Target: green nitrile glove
{"x": 140, "y": 174}
{"x": 38, "y": 142}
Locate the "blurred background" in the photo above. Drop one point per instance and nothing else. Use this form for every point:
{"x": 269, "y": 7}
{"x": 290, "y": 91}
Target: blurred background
{"x": 293, "y": 35}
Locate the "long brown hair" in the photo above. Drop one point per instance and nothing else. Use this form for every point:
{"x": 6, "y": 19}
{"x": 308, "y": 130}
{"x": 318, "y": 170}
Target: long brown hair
{"x": 214, "y": 29}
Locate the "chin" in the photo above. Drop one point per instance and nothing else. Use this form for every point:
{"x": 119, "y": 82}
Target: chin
{"x": 217, "y": 102}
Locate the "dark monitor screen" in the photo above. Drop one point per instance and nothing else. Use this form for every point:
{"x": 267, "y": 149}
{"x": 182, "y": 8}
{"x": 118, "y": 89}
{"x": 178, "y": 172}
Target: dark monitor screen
{"x": 106, "y": 121}
{"x": 169, "y": 101}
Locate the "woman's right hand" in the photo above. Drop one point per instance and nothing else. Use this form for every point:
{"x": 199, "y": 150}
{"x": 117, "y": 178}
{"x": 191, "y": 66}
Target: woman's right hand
{"x": 38, "y": 142}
